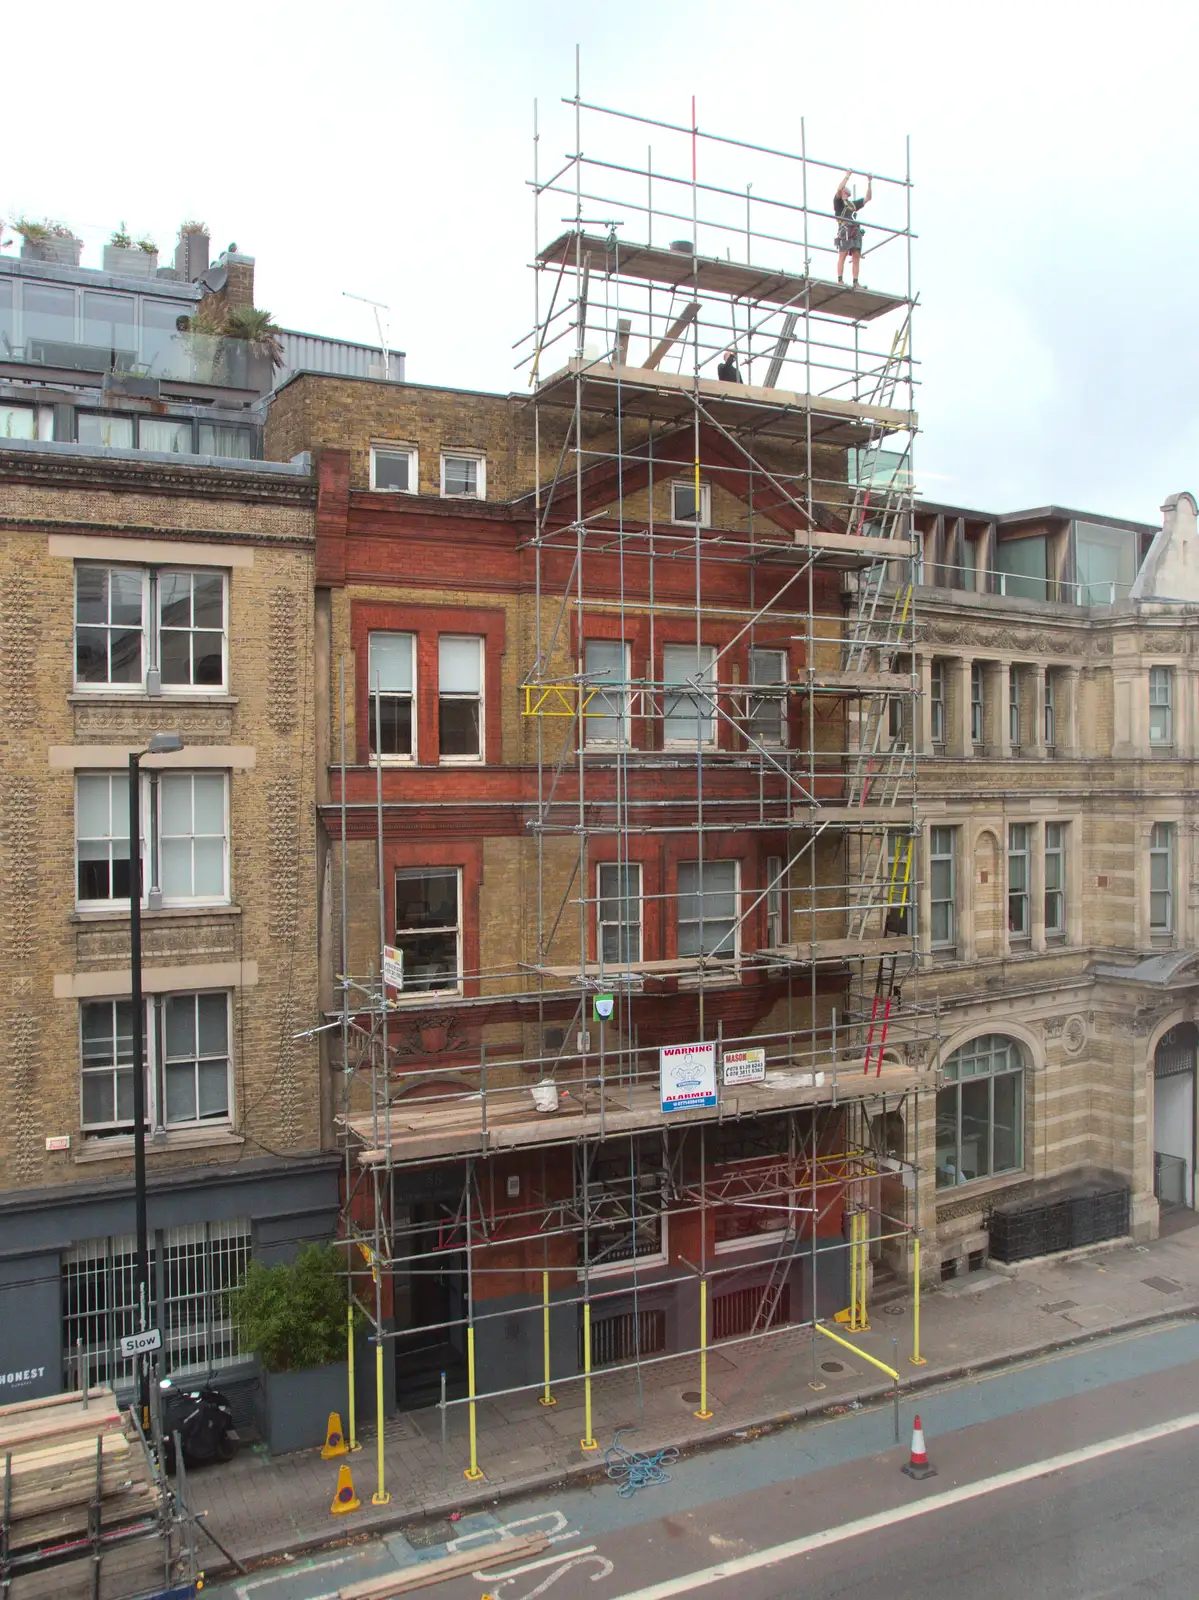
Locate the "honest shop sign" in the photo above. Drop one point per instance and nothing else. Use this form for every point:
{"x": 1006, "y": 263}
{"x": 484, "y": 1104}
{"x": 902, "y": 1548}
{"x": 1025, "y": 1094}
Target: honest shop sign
{"x": 688, "y": 1076}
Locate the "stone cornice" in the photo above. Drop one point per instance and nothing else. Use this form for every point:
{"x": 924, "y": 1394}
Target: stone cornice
{"x": 184, "y": 481}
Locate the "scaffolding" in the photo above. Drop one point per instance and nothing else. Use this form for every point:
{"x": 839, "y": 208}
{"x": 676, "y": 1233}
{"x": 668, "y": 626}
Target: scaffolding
{"x": 719, "y": 705}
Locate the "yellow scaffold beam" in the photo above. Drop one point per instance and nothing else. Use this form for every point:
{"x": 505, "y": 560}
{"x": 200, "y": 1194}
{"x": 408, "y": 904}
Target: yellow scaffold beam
{"x": 560, "y": 700}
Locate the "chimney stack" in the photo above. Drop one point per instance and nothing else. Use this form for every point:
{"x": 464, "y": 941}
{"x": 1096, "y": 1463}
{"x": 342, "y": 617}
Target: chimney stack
{"x": 191, "y": 253}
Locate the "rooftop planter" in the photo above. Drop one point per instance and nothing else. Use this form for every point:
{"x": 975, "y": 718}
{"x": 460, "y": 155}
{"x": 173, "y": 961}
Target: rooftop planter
{"x": 48, "y": 241}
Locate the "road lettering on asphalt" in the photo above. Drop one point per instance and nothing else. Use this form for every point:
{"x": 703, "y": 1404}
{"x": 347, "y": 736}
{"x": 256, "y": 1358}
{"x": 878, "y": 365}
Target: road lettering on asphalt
{"x": 706, "y": 1576}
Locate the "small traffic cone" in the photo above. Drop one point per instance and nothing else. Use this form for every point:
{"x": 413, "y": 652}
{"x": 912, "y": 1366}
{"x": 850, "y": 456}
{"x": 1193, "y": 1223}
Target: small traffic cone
{"x": 919, "y": 1466}
{"x": 335, "y": 1439}
{"x": 345, "y": 1499}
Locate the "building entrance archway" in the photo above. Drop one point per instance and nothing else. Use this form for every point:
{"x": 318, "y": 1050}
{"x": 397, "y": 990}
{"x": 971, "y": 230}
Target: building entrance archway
{"x": 1174, "y": 1134}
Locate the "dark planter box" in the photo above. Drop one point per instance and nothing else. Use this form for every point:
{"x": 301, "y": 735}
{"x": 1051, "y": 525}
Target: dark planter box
{"x": 298, "y": 1405}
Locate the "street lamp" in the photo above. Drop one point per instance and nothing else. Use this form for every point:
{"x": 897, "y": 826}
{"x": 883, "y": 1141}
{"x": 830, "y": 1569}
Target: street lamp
{"x": 161, "y": 744}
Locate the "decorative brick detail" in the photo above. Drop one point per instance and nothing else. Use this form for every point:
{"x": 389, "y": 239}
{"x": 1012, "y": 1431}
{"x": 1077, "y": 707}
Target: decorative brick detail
{"x": 281, "y": 660}
{"x": 18, "y": 865}
{"x": 20, "y": 634}
{"x": 283, "y": 833}
{"x": 288, "y": 1103}
{"x": 22, "y": 1050}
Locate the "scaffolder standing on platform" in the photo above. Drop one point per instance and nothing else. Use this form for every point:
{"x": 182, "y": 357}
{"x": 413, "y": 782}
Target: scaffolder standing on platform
{"x": 849, "y": 229}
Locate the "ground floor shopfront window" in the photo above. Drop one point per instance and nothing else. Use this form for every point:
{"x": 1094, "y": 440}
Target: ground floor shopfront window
{"x": 980, "y": 1111}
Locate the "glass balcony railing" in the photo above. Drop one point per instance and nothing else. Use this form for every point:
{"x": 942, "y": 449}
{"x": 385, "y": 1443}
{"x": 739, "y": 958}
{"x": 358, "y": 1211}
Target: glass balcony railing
{"x": 177, "y": 355}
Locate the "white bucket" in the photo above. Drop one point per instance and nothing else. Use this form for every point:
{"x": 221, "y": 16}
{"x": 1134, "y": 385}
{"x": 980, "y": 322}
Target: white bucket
{"x": 545, "y": 1095}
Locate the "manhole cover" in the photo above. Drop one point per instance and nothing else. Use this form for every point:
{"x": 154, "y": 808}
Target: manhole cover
{"x": 1060, "y": 1305}
{"x": 1165, "y": 1285}
{"x": 832, "y": 1366}
{"x": 427, "y": 1534}
{"x": 692, "y": 1396}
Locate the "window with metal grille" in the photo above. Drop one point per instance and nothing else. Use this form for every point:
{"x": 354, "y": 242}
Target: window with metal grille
{"x": 624, "y": 1337}
{"x": 191, "y": 1268}
{"x": 734, "y": 1314}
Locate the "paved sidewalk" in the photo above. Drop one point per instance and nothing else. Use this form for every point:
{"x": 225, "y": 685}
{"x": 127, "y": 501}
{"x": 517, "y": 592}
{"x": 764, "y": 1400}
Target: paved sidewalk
{"x": 259, "y": 1506}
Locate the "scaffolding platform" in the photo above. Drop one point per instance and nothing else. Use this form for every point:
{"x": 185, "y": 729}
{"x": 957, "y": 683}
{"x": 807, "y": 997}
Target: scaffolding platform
{"x": 423, "y": 1130}
{"x": 710, "y": 275}
{"x": 743, "y": 408}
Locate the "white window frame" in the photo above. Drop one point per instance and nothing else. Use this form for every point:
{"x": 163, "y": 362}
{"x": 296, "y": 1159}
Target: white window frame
{"x": 1161, "y": 703}
{"x": 703, "y": 714}
{"x": 1000, "y": 1059}
{"x": 155, "y": 1062}
{"x": 771, "y": 695}
{"x": 936, "y": 702}
{"x": 978, "y": 702}
{"x": 632, "y": 902}
{"x": 150, "y": 851}
{"x": 1161, "y": 851}
{"x": 387, "y": 447}
{"x": 389, "y": 759}
{"x": 1056, "y": 841}
{"x": 418, "y": 997}
{"x": 705, "y": 503}
{"x": 943, "y": 847}
{"x": 733, "y": 956}
{"x": 617, "y": 703}
{"x": 442, "y": 695}
{"x": 110, "y": 779}
{"x": 776, "y": 895}
{"x": 150, "y": 681}
{"x": 480, "y": 461}
{"x": 1019, "y": 851}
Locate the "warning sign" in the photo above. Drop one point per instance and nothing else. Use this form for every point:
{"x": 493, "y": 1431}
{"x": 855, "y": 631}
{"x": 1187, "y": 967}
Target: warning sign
{"x": 688, "y": 1076}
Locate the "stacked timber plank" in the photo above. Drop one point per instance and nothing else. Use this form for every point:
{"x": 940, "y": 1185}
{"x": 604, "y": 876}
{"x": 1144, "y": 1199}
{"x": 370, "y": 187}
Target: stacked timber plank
{"x": 80, "y": 1489}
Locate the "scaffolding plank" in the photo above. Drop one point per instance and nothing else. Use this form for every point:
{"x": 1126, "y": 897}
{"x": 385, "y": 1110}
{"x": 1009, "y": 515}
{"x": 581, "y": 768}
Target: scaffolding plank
{"x": 624, "y": 1110}
{"x": 711, "y": 275}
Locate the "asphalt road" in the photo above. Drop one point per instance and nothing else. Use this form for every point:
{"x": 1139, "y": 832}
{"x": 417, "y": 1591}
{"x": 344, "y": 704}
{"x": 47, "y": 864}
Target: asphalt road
{"x": 1072, "y": 1477}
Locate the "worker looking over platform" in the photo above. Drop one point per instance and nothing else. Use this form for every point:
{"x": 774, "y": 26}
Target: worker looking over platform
{"x": 849, "y": 229}
{"x": 727, "y": 370}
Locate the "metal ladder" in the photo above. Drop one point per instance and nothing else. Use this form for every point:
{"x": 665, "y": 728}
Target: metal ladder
{"x": 886, "y": 989}
{"x": 772, "y": 1291}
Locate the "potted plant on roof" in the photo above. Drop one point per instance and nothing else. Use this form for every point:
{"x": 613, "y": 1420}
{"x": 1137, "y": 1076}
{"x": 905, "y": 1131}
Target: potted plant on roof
{"x": 48, "y": 241}
{"x": 262, "y": 337}
{"x": 292, "y": 1315}
{"x": 130, "y": 257}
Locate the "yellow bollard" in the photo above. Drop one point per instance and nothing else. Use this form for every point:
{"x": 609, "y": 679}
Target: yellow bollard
{"x": 380, "y": 1496}
{"x": 472, "y": 1472}
{"x": 703, "y": 1413}
{"x": 588, "y": 1441}
{"x": 352, "y": 1441}
{"x": 547, "y": 1398}
{"x": 916, "y": 1359}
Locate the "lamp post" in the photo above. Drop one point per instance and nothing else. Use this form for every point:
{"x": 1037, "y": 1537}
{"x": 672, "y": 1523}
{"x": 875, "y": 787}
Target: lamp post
{"x": 160, "y": 744}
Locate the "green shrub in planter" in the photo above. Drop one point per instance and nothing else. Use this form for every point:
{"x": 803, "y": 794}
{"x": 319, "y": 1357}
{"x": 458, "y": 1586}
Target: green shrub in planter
{"x": 293, "y": 1315}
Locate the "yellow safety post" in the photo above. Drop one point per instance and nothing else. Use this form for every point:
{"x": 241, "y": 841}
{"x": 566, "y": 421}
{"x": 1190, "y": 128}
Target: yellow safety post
{"x": 352, "y": 1441}
{"x": 703, "y": 1413}
{"x": 873, "y": 1360}
{"x": 916, "y": 1359}
{"x": 587, "y": 1442}
{"x": 380, "y": 1496}
{"x": 473, "y": 1472}
{"x": 547, "y": 1398}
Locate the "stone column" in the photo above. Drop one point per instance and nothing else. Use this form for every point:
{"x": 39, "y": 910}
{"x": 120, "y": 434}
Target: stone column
{"x": 995, "y": 714}
{"x": 1036, "y": 883}
{"x": 958, "y": 741}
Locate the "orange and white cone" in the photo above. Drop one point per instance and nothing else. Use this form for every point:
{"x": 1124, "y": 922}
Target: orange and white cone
{"x": 919, "y": 1466}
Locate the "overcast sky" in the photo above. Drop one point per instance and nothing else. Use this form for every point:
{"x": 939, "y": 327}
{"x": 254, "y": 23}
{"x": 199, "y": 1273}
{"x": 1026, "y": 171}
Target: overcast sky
{"x": 383, "y": 147}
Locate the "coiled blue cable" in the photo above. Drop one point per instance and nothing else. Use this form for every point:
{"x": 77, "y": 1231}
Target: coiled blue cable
{"x": 633, "y": 1470}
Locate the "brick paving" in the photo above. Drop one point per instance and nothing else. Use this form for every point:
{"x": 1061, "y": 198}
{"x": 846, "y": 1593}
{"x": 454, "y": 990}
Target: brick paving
{"x": 261, "y": 1506}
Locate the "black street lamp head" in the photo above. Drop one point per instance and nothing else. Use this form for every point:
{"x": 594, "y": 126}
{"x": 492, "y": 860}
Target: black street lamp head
{"x": 164, "y": 744}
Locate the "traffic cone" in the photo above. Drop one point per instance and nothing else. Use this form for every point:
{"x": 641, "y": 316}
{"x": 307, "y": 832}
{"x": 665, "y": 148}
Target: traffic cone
{"x": 919, "y": 1466}
{"x": 345, "y": 1499}
{"x": 335, "y": 1439}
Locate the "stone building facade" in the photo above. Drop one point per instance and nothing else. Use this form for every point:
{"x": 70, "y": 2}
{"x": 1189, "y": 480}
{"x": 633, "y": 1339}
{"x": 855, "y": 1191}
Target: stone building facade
{"x": 1057, "y": 740}
{"x": 142, "y": 595}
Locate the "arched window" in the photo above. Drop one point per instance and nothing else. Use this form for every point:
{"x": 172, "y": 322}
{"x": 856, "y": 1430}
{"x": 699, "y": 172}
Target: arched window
{"x": 980, "y": 1111}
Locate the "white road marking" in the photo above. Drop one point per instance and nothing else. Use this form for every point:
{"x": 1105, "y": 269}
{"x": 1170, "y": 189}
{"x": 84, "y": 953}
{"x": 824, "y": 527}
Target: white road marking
{"x": 532, "y": 1566}
{"x": 919, "y": 1508}
{"x": 289, "y": 1573}
{"x": 575, "y": 1559}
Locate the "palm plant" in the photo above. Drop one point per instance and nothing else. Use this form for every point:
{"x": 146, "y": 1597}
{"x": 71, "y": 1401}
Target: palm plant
{"x": 258, "y": 328}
